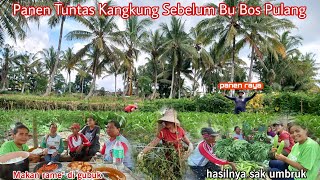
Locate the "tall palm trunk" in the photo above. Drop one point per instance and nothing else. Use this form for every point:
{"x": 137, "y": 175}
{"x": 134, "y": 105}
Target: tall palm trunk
{"x": 179, "y": 83}
{"x": 4, "y": 74}
{"x": 155, "y": 84}
{"x": 125, "y": 84}
{"x": 233, "y": 57}
{"x": 82, "y": 82}
{"x": 24, "y": 84}
{"x": 115, "y": 84}
{"x": 233, "y": 64}
{"x": 129, "y": 93}
{"x": 35, "y": 132}
{"x": 93, "y": 85}
{"x": 48, "y": 90}
{"x": 194, "y": 83}
{"x": 251, "y": 65}
{"x": 69, "y": 72}
{"x": 172, "y": 83}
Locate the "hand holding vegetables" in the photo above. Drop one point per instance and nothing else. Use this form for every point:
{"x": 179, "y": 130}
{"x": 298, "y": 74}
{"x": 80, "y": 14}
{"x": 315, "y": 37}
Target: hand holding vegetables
{"x": 280, "y": 157}
{"x": 187, "y": 153}
{"x": 140, "y": 156}
{"x": 275, "y": 144}
{"x": 233, "y": 165}
{"x": 273, "y": 149}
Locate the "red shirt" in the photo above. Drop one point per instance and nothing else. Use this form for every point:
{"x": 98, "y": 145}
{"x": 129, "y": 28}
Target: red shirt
{"x": 129, "y": 108}
{"x": 75, "y": 141}
{"x": 172, "y": 138}
{"x": 206, "y": 150}
{"x": 284, "y": 135}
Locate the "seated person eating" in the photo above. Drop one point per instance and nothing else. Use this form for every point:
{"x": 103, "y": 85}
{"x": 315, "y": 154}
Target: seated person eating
{"x": 20, "y": 138}
{"x": 53, "y": 145}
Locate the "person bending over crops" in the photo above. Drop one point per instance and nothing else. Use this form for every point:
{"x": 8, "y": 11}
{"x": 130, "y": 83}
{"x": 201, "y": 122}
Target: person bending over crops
{"x": 237, "y": 133}
{"x": 203, "y": 158}
{"x": 52, "y": 144}
{"x": 78, "y": 143}
{"x": 284, "y": 136}
{"x": 20, "y": 138}
{"x": 305, "y": 154}
{"x": 171, "y": 135}
{"x": 92, "y": 132}
{"x": 240, "y": 102}
{"x": 113, "y": 131}
{"x": 131, "y": 108}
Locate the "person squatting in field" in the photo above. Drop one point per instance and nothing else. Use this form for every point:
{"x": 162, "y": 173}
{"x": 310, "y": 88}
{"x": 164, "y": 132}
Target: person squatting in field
{"x": 203, "y": 158}
{"x": 131, "y": 108}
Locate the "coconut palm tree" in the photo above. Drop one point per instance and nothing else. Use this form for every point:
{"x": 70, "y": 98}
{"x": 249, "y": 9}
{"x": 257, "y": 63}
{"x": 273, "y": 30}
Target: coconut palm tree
{"x": 49, "y": 57}
{"x": 132, "y": 39}
{"x": 221, "y": 70}
{"x": 115, "y": 68}
{"x": 260, "y": 32}
{"x": 12, "y": 26}
{"x": 101, "y": 29}
{"x": 25, "y": 64}
{"x": 203, "y": 61}
{"x": 286, "y": 72}
{"x": 69, "y": 63}
{"x": 53, "y": 21}
{"x": 153, "y": 46}
{"x": 82, "y": 69}
{"x": 178, "y": 50}
{"x": 226, "y": 27}
{"x": 8, "y": 56}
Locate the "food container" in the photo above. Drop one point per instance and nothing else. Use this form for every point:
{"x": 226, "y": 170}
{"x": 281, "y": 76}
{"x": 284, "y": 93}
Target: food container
{"x": 112, "y": 173}
{"x": 7, "y": 168}
{"x": 36, "y": 151}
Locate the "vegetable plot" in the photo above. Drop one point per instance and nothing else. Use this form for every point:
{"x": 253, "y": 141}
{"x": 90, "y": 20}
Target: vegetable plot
{"x": 241, "y": 150}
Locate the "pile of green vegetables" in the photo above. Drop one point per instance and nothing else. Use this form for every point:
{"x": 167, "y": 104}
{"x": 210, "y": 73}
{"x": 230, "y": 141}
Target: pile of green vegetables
{"x": 241, "y": 150}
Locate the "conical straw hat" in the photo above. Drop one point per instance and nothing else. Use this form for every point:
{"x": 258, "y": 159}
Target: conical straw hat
{"x": 170, "y": 116}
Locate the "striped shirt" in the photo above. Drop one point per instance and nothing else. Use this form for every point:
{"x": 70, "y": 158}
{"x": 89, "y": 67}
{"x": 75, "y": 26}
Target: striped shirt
{"x": 75, "y": 141}
{"x": 203, "y": 154}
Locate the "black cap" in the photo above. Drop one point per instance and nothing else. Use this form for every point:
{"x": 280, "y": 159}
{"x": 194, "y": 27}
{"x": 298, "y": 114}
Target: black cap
{"x": 209, "y": 131}
{"x": 277, "y": 123}
{"x": 240, "y": 92}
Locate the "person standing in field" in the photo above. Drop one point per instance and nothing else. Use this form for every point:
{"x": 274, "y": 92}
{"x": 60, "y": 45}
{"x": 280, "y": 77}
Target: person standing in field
{"x": 131, "y": 108}
{"x": 240, "y": 102}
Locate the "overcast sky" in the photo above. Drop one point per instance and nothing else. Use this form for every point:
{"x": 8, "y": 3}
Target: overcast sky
{"x": 43, "y": 37}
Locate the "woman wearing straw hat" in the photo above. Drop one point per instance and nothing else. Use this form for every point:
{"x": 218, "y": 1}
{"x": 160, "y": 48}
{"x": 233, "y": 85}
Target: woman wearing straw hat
{"x": 170, "y": 134}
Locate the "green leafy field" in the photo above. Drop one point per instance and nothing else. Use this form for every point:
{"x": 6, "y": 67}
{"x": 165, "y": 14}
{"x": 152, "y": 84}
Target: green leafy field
{"x": 146, "y": 122}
